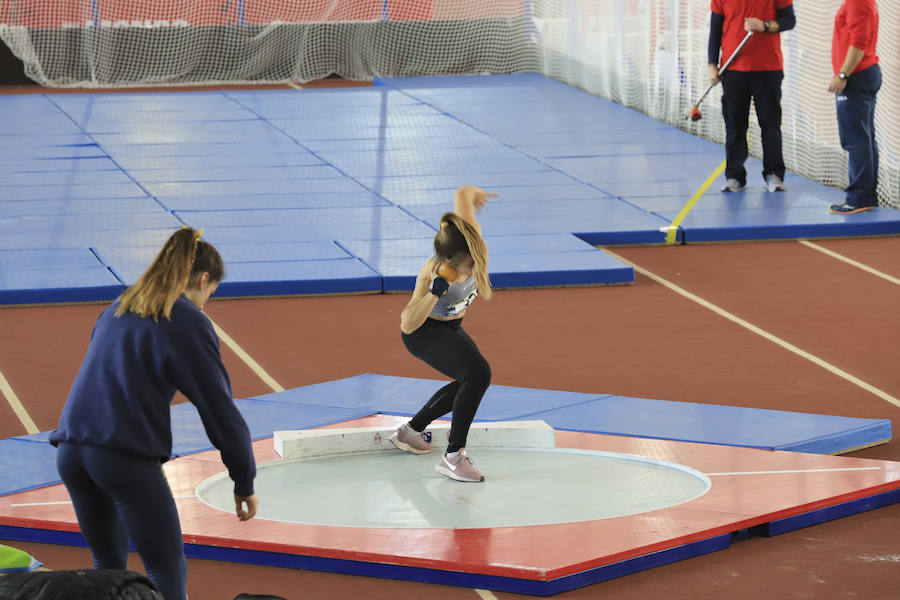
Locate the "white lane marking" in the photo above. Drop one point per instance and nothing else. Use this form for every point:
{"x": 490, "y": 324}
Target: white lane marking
{"x": 761, "y": 332}
{"x": 850, "y": 261}
{"x": 17, "y": 407}
{"x": 792, "y": 471}
{"x": 242, "y": 354}
{"x": 59, "y": 502}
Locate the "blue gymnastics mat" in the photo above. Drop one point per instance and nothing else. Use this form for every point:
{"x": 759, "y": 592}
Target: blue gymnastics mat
{"x": 611, "y": 414}
{"x": 349, "y": 174}
{"x": 755, "y": 215}
{"x": 26, "y": 464}
{"x": 28, "y": 461}
{"x": 72, "y": 283}
{"x": 636, "y": 159}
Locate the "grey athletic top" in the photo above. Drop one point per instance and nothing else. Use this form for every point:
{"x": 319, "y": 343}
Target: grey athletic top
{"x": 457, "y": 298}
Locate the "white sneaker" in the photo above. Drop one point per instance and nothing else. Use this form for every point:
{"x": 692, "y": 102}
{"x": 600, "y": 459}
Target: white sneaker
{"x": 774, "y": 183}
{"x": 459, "y": 468}
{"x": 732, "y": 185}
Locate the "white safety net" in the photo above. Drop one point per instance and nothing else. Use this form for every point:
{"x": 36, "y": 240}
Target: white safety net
{"x": 646, "y": 54}
{"x": 651, "y": 55}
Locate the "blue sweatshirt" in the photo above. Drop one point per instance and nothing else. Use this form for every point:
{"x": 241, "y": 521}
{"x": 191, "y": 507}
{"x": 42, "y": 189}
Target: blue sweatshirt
{"x": 134, "y": 365}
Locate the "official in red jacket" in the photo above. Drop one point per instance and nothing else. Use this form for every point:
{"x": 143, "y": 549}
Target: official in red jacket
{"x": 857, "y": 79}
{"x": 756, "y": 73}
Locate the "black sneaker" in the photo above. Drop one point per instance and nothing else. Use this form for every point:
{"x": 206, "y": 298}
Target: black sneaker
{"x": 846, "y": 209}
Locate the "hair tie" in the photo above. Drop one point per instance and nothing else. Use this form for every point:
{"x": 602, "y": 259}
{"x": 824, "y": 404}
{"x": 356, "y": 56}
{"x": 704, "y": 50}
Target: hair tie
{"x": 444, "y": 224}
{"x": 198, "y": 235}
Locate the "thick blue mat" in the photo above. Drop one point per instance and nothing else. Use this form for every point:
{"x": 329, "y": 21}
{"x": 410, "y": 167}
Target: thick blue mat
{"x": 614, "y": 415}
{"x": 355, "y": 199}
{"x": 786, "y": 222}
{"x": 26, "y": 465}
{"x": 364, "y": 168}
{"x": 263, "y": 417}
{"x": 82, "y": 284}
{"x": 96, "y": 207}
{"x": 354, "y": 397}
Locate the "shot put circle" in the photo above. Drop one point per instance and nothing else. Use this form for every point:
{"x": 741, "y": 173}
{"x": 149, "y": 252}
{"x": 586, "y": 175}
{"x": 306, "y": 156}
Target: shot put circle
{"x": 523, "y": 487}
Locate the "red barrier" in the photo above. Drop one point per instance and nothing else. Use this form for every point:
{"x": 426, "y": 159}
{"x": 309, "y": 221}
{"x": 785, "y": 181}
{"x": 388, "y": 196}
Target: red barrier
{"x": 56, "y": 14}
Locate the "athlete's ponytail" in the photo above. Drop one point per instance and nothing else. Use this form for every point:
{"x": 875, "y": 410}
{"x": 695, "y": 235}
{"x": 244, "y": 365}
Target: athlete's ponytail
{"x": 457, "y": 239}
{"x": 183, "y": 256}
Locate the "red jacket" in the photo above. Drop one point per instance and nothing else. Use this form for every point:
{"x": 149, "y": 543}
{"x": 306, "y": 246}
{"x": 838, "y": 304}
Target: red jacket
{"x": 856, "y": 24}
{"x": 763, "y": 50}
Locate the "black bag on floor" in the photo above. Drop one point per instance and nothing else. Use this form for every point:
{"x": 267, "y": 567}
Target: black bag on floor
{"x": 87, "y": 584}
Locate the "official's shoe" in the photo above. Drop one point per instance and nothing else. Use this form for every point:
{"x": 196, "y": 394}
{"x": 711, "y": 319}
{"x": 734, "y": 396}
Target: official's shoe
{"x": 733, "y": 185}
{"x": 774, "y": 183}
{"x": 846, "y": 209}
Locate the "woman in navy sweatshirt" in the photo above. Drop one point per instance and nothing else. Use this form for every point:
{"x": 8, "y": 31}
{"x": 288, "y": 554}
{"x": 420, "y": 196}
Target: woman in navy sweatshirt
{"x": 115, "y": 432}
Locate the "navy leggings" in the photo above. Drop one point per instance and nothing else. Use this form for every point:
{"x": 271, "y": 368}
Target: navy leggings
{"x": 117, "y": 497}
{"x": 444, "y": 346}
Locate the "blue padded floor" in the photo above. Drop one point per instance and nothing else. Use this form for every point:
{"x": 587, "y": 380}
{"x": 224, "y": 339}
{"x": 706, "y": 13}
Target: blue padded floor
{"x": 332, "y": 181}
{"x": 26, "y": 464}
{"x": 610, "y": 414}
{"x": 28, "y": 461}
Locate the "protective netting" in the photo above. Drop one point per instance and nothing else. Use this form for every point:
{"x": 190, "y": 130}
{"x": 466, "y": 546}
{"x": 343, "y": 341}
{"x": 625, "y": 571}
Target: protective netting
{"x": 651, "y": 55}
{"x": 91, "y": 43}
{"x": 646, "y": 54}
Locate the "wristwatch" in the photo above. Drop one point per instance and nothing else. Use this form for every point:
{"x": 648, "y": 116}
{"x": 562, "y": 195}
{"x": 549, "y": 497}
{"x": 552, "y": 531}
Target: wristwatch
{"x": 842, "y": 76}
{"x": 766, "y": 25}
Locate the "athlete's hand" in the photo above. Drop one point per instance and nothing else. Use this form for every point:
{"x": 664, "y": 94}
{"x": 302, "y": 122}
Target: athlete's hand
{"x": 252, "y": 504}
{"x": 479, "y": 196}
{"x": 439, "y": 285}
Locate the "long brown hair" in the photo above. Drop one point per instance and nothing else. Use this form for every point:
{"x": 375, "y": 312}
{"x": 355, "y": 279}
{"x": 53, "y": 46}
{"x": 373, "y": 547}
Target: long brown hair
{"x": 183, "y": 257}
{"x": 457, "y": 239}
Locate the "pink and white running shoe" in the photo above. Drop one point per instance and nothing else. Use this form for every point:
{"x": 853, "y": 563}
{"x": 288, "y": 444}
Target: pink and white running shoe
{"x": 409, "y": 441}
{"x": 459, "y": 467}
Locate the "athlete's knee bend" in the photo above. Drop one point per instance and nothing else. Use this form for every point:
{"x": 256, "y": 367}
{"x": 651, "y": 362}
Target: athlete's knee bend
{"x": 481, "y": 374}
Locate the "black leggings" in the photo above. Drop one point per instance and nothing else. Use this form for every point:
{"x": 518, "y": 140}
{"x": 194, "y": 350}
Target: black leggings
{"x": 446, "y": 347}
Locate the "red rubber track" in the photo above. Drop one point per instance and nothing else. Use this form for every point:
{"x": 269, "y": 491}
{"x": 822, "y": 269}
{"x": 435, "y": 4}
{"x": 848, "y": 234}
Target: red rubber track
{"x": 641, "y": 340}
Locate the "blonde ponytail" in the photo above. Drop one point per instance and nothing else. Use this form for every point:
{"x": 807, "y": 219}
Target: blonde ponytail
{"x": 459, "y": 236}
{"x": 169, "y": 274}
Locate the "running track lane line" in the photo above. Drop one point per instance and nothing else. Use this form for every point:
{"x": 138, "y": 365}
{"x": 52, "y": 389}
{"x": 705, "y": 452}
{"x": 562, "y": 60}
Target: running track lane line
{"x": 672, "y": 229}
{"x": 794, "y": 471}
{"x": 31, "y": 427}
{"x": 761, "y": 332}
{"x": 485, "y": 594}
{"x": 850, "y": 261}
{"x": 248, "y": 360}
{"x": 16, "y": 405}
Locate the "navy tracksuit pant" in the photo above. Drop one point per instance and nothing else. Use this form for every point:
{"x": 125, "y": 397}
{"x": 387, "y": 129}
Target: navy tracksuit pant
{"x": 119, "y": 496}
{"x": 856, "y": 127}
